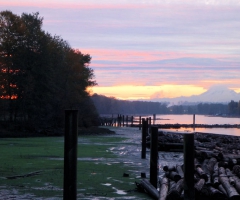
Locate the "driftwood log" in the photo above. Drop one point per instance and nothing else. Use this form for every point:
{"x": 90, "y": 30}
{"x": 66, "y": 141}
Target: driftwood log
{"x": 163, "y": 189}
{"x": 211, "y": 145}
{"x": 147, "y": 187}
{"x": 231, "y": 191}
{"x": 24, "y": 175}
{"x": 175, "y": 190}
{"x": 216, "y": 165}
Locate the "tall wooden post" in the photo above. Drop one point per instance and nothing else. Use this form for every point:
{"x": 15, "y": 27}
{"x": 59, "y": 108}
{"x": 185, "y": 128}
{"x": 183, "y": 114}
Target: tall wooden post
{"x": 144, "y": 135}
{"x": 112, "y": 121}
{"x": 154, "y": 119}
{"x": 149, "y": 125}
{"x": 154, "y": 157}
{"x": 147, "y": 120}
{"x": 189, "y": 192}
{"x": 127, "y": 121}
{"x": 123, "y": 120}
{"x": 140, "y": 120}
{"x": 132, "y": 121}
{"x": 120, "y": 119}
{"x": 70, "y": 155}
{"x": 193, "y": 122}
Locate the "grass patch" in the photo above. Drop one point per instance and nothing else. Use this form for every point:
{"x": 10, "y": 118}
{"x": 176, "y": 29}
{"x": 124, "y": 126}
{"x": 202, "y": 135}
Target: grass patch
{"x": 100, "y": 172}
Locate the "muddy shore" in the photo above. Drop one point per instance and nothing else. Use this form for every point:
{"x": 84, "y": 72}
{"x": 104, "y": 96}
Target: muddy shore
{"x": 126, "y": 159}
{"x": 127, "y": 156}
{"x": 132, "y": 151}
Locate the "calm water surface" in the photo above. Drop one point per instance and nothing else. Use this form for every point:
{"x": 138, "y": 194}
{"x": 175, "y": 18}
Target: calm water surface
{"x": 200, "y": 119}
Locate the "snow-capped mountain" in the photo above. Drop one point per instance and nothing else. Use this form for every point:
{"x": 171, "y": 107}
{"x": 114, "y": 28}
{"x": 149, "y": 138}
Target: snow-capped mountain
{"x": 219, "y": 94}
{"x": 216, "y": 94}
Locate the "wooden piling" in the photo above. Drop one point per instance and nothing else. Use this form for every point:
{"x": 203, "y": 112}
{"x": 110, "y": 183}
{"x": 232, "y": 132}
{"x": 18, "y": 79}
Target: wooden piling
{"x": 149, "y": 125}
{"x": 154, "y": 157}
{"x": 112, "y": 121}
{"x": 147, "y": 121}
{"x": 70, "y": 155}
{"x": 189, "y": 193}
{"x": 140, "y": 120}
{"x": 120, "y": 120}
{"x": 193, "y": 122}
{"x": 144, "y": 134}
{"x": 154, "y": 119}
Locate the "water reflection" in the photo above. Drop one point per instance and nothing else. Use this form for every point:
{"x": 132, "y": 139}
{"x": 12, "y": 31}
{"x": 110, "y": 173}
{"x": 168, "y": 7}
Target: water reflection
{"x": 222, "y": 131}
{"x": 200, "y": 119}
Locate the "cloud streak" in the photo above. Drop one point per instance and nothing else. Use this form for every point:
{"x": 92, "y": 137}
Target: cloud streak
{"x": 148, "y": 42}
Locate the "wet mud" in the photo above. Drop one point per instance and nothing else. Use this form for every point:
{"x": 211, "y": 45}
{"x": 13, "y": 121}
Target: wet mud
{"x": 130, "y": 152}
{"x": 127, "y": 153}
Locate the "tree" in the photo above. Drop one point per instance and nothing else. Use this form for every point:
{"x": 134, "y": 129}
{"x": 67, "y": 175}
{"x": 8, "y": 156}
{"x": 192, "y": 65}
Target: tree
{"x": 232, "y": 107}
{"x": 239, "y": 108}
{"x": 40, "y": 74}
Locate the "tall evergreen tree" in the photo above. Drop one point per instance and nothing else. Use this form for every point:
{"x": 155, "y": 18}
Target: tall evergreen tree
{"x": 40, "y": 74}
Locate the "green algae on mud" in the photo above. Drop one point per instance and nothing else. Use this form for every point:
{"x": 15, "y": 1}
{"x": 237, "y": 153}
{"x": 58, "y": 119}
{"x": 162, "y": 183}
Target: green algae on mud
{"x": 100, "y": 171}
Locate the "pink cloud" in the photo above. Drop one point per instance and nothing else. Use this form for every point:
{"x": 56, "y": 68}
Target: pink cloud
{"x": 133, "y": 55}
{"x": 70, "y": 5}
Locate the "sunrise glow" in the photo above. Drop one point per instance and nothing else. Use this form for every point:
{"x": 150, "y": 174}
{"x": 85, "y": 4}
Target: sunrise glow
{"x": 156, "y": 49}
{"x": 127, "y": 92}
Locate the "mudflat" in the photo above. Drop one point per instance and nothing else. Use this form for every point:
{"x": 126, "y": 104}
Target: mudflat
{"x": 108, "y": 166}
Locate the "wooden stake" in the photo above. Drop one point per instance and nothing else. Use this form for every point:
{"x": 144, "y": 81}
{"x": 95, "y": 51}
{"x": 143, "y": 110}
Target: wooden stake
{"x": 144, "y": 134}
{"x": 189, "y": 193}
{"x": 154, "y": 157}
{"x": 70, "y": 155}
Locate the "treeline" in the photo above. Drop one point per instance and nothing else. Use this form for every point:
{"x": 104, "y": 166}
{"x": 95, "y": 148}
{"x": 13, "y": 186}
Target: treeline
{"x": 110, "y": 105}
{"x": 234, "y": 108}
{"x": 40, "y": 75}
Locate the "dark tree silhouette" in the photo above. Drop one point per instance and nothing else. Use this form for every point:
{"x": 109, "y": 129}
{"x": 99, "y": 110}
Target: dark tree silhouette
{"x": 40, "y": 74}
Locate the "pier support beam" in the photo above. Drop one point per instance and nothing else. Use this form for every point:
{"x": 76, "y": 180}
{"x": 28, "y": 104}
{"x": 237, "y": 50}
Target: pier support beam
{"x": 154, "y": 157}
{"x": 140, "y": 124}
{"x": 144, "y": 135}
{"x": 189, "y": 192}
{"x": 70, "y": 155}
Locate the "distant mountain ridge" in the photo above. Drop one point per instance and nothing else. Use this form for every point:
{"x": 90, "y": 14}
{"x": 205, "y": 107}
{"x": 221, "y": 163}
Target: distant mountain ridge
{"x": 215, "y": 94}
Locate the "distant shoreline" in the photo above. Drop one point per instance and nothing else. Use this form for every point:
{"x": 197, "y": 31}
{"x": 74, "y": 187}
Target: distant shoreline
{"x": 227, "y": 116}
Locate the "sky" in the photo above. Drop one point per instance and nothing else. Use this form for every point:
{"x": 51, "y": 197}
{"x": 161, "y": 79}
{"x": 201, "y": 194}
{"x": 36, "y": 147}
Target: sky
{"x": 145, "y": 49}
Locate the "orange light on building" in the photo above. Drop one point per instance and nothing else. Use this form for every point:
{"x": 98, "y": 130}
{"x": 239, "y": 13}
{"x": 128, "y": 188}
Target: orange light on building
{"x": 13, "y": 85}
{"x": 9, "y": 97}
{"x": 15, "y": 71}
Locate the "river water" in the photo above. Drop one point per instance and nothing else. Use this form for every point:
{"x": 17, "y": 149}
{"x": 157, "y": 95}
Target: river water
{"x": 200, "y": 119}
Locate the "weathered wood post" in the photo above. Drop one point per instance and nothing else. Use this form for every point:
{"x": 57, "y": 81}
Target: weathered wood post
{"x": 115, "y": 121}
{"x": 132, "y": 121}
{"x": 193, "y": 122}
{"x": 120, "y": 120}
{"x": 149, "y": 125}
{"x": 154, "y": 157}
{"x": 144, "y": 134}
{"x": 147, "y": 120}
{"x": 140, "y": 120}
{"x": 123, "y": 120}
{"x": 189, "y": 192}
{"x": 70, "y": 155}
{"x": 112, "y": 121}
{"x": 154, "y": 118}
